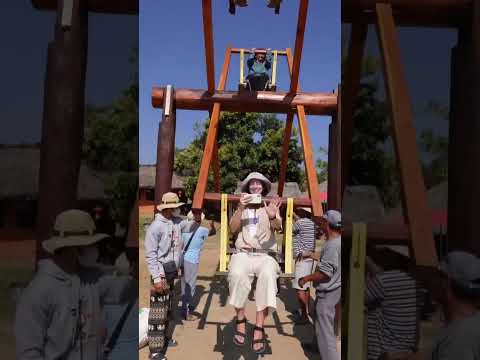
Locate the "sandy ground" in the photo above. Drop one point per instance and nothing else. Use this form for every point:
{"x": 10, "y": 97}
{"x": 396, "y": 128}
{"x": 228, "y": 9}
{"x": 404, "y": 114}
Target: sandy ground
{"x": 211, "y": 336}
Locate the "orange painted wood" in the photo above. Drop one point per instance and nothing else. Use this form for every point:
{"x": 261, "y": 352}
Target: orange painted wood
{"x": 334, "y": 198}
{"x": 297, "y": 56}
{"x": 350, "y": 88}
{"x": 393, "y": 234}
{"x": 99, "y": 6}
{"x": 413, "y": 188}
{"x": 309, "y": 160}
{"x": 286, "y": 137}
{"x": 208, "y": 38}
{"x": 301, "y": 202}
{"x": 431, "y": 13}
{"x": 262, "y": 101}
{"x": 211, "y": 138}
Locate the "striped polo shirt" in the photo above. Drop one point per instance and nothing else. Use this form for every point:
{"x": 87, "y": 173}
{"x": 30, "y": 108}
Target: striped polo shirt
{"x": 303, "y": 236}
{"x": 393, "y": 299}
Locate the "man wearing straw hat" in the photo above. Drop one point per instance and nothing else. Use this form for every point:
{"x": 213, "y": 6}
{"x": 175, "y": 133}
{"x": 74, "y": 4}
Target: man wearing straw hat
{"x": 163, "y": 250}
{"x": 59, "y": 313}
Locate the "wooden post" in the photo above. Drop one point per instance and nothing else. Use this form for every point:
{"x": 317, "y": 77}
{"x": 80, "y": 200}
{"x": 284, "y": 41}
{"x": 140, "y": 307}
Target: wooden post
{"x": 165, "y": 147}
{"x": 63, "y": 120}
{"x": 334, "y": 197}
{"x": 208, "y": 34}
{"x": 350, "y": 87}
{"x": 464, "y": 148}
{"x": 211, "y": 138}
{"x": 286, "y": 137}
{"x": 413, "y": 187}
{"x": 297, "y": 56}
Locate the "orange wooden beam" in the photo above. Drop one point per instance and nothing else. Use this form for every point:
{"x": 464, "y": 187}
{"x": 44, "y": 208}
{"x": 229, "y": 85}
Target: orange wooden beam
{"x": 428, "y": 13}
{"x": 297, "y": 56}
{"x": 408, "y": 159}
{"x": 262, "y": 101}
{"x": 99, "y": 6}
{"x": 350, "y": 88}
{"x": 300, "y": 202}
{"x": 211, "y": 139}
{"x": 208, "y": 37}
{"x": 286, "y": 137}
{"x": 309, "y": 160}
{"x": 392, "y": 234}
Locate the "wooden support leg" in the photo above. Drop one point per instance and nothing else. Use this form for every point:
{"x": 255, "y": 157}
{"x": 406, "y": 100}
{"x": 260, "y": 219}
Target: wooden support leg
{"x": 408, "y": 159}
{"x": 334, "y": 162}
{"x": 350, "y": 88}
{"x": 310, "y": 169}
{"x": 165, "y": 147}
{"x": 63, "y": 120}
{"x": 211, "y": 139}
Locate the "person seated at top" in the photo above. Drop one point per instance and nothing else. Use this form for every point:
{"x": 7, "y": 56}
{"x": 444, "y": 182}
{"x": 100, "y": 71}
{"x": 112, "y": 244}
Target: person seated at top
{"x": 259, "y": 65}
{"x": 254, "y": 222}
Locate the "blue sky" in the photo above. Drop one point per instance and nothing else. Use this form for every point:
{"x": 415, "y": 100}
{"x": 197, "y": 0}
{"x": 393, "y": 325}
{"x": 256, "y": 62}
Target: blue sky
{"x": 112, "y": 39}
{"x": 172, "y": 52}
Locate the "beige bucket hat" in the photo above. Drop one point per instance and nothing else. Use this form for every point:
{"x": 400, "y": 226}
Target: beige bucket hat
{"x": 267, "y": 185}
{"x": 170, "y": 200}
{"x": 72, "y": 228}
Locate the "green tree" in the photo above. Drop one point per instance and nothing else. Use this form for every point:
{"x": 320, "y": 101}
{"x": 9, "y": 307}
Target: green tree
{"x": 247, "y": 142}
{"x": 322, "y": 165}
{"x": 111, "y": 147}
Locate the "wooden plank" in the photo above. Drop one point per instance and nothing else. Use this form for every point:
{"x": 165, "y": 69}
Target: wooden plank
{"x": 211, "y": 139}
{"x": 392, "y": 234}
{"x": 165, "y": 148}
{"x": 274, "y": 68}
{"x": 297, "y": 56}
{"x": 300, "y": 202}
{"x": 223, "y": 233}
{"x": 349, "y": 89}
{"x": 310, "y": 168}
{"x": 408, "y": 159}
{"x": 334, "y": 198}
{"x": 286, "y": 137}
{"x": 356, "y": 286}
{"x": 248, "y": 51}
{"x": 128, "y": 7}
{"x": 246, "y": 101}
{"x": 242, "y": 65}
{"x": 208, "y": 38}
{"x": 288, "y": 252}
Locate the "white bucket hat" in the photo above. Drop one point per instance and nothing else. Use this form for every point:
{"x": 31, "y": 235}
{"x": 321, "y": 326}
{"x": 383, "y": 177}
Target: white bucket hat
{"x": 170, "y": 200}
{"x": 73, "y": 228}
{"x": 267, "y": 185}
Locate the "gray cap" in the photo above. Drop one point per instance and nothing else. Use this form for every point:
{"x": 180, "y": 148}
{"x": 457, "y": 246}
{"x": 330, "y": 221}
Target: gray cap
{"x": 463, "y": 268}
{"x": 333, "y": 217}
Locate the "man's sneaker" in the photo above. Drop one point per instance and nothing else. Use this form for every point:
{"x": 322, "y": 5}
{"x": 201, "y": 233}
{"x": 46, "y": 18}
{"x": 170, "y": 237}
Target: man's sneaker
{"x": 158, "y": 356}
{"x": 172, "y": 343}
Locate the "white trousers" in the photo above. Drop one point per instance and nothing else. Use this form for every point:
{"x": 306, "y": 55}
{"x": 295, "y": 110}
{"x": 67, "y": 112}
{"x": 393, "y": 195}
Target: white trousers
{"x": 242, "y": 269}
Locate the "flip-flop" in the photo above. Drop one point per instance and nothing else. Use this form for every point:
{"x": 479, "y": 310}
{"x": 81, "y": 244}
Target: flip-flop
{"x": 263, "y": 341}
{"x": 238, "y": 333}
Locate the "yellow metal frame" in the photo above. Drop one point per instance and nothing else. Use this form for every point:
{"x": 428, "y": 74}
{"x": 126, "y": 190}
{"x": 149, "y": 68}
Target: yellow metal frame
{"x": 274, "y": 68}
{"x": 224, "y": 233}
{"x": 288, "y": 238}
{"x": 242, "y": 66}
{"x": 356, "y": 349}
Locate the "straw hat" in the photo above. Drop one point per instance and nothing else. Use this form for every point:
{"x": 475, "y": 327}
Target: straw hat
{"x": 170, "y": 200}
{"x": 72, "y": 228}
{"x": 267, "y": 185}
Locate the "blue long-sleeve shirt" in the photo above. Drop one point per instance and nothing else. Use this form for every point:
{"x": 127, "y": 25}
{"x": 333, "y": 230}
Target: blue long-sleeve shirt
{"x": 258, "y": 68}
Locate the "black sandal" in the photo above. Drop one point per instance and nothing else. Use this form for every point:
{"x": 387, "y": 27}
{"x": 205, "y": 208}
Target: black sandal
{"x": 263, "y": 340}
{"x": 238, "y": 333}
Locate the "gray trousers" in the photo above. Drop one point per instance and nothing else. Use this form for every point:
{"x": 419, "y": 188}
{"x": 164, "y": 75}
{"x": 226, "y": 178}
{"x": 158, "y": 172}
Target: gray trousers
{"x": 189, "y": 283}
{"x": 325, "y": 324}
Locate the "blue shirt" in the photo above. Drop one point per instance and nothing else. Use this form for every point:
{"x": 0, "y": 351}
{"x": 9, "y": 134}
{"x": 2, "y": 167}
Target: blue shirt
{"x": 193, "y": 253}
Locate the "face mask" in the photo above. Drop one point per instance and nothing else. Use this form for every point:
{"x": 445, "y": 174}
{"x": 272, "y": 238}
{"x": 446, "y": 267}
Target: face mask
{"x": 176, "y": 212}
{"x": 88, "y": 256}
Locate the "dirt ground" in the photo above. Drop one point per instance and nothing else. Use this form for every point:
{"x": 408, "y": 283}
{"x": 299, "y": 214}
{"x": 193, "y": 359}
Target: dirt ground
{"x": 211, "y": 336}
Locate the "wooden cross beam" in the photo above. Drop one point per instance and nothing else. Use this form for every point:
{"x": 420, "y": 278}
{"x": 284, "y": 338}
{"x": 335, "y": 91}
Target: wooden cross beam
{"x": 97, "y": 6}
{"x": 428, "y": 13}
{"x": 261, "y": 101}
